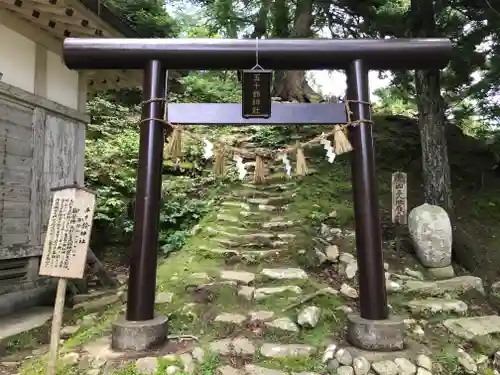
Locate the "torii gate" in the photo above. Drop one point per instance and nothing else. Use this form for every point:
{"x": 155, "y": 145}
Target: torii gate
{"x": 374, "y": 329}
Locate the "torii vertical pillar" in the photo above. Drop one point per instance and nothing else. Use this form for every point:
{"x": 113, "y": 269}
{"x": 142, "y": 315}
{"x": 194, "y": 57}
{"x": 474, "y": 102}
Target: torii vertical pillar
{"x": 142, "y": 328}
{"x": 374, "y": 328}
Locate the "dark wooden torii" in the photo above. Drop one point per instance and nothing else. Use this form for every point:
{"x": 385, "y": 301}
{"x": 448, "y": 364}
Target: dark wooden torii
{"x": 355, "y": 56}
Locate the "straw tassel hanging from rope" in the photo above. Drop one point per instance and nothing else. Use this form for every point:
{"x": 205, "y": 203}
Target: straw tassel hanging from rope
{"x": 301, "y": 167}
{"x": 341, "y": 142}
{"x": 258, "y": 176}
{"x": 174, "y": 147}
{"x": 219, "y": 162}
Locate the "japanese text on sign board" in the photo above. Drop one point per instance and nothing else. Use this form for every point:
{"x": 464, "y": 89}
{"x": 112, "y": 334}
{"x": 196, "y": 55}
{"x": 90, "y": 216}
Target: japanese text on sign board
{"x": 399, "y": 198}
{"x": 257, "y": 93}
{"x": 68, "y": 234}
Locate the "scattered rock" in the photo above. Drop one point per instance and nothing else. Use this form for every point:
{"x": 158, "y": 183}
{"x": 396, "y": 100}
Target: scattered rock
{"x": 441, "y": 273}
{"x": 423, "y": 371}
{"x": 164, "y": 297}
{"x": 198, "y": 354}
{"x": 332, "y": 366}
{"x": 458, "y": 284}
{"x": 261, "y": 316}
{"x": 239, "y": 276}
{"x": 262, "y": 293}
{"x": 188, "y": 363}
{"x": 330, "y": 353}
{"x": 414, "y": 273}
{"x": 345, "y": 370}
{"x": 347, "y": 258}
{"x": 286, "y": 350}
{"x": 247, "y": 292}
{"x": 256, "y": 370}
{"x": 71, "y": 359}
{"x": 351, "y": 269}
{"x": 392, "y": 286}
{"x": 228, "y": 370}
{"x": 147, "y": 365}
{"x": 495, "y": 287}
{"x": 424, "y": 362}
{"x": 385, "y": 368}
{"x": 284, "y": 323}
{"x": 69, "y": 331}
{"x": 344, "y": 357}
{"x": 348, "y": 291}
{"x": 466, "y": 361}
{"x": 332, "y": 253}
{"x": 223, "y": 346}
{"x": 284, "y": 273}
{"x": 309, "y": 316}
{"x": 242, "y": 346}
{"x": 361, "y": 366}
{"x": 468, "y": 328}
{"x": 230, "y": 318}
{"x": 405, "y": 366}
{"x": 435, "y": 305}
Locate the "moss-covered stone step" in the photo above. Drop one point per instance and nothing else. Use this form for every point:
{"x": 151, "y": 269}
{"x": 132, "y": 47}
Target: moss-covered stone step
{"x": 244, "y": 234}
{"x": 255, "y": 243}
{"x": 272, "y": 186}
{"x": 249, "y": 255}
{"x": 273, "y": 200}
{"x": 254, "y": 206}
{"x": 259, "y": 193}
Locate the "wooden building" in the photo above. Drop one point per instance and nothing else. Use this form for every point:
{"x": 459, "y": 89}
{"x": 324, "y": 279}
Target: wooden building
{"x": 42, "y": 127}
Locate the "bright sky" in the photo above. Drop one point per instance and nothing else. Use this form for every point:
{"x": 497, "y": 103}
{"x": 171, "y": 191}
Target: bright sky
{"x": 334, "y": 82}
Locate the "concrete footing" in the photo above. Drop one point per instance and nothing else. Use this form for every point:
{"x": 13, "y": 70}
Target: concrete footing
{"x": 376, "y": 335}
{"x": 139, "y": 335}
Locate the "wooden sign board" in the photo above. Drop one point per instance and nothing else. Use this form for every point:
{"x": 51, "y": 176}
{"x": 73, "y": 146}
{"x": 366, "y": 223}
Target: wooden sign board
{"x": 256, "y": 91}
{"x": 399, "y": 198}
{"x": 68, "y": 234}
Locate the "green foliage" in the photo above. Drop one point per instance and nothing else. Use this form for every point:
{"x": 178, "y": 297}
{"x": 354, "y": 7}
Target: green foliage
{"x": 148, "y": 17}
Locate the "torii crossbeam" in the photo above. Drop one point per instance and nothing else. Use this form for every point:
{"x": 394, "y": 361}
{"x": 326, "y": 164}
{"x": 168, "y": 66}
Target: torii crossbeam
{"x": 374, "y": 328}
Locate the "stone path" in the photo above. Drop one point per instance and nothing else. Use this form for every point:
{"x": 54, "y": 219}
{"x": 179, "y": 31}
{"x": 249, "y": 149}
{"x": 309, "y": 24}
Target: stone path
{"x": 258, "y": 308}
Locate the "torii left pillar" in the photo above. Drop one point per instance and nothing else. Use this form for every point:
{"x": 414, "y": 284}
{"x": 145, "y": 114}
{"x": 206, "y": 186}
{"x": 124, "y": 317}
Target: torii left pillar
{"x": 142, "y": 328}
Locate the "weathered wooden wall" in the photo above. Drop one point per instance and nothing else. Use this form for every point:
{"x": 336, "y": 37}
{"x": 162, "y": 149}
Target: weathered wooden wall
{"x": 42, "y": 146}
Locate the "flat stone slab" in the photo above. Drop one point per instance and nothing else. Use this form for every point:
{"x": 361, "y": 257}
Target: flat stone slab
{"x": 435, "y": 305}
{"x": 284, "y": 323}
{"x": 24, "y": 321}
{"x": 469, "y": 328}
{"x": 457, "y": 284}
{"x": 242, "y": 277}
{"x": 230, "y": 318}
{"x": 284, "y": 273}
{"x": 262, "y": 293}
{"x": 286, "y": 350}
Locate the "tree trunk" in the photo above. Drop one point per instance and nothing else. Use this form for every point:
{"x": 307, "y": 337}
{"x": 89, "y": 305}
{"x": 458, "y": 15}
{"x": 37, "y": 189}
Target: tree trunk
{"x": 436, "y": 169}
{"x": 291, "y": 85}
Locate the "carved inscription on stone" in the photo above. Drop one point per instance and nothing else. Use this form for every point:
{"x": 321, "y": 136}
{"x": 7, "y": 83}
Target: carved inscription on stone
{"x": 399, "y": 198}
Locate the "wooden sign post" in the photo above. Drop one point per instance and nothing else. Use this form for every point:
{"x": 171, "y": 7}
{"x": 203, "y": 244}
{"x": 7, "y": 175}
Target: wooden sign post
{"x": 65, "y": 250}
{"x": 399, "y": 198}
{"x": 256, "y": 90}
{"x": 399, "y": 204}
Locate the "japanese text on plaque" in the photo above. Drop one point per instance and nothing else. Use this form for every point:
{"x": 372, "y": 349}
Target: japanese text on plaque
{"x": 399, "y": 198}
{"x": 68, "y": 234}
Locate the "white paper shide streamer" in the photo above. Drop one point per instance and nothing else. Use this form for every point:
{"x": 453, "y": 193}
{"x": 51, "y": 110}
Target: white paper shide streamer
{"x": 287, "y": 166}
{"x": 208, "y": 149}
{"x": 330, "y": 154}
{"x": 240, "y": 166}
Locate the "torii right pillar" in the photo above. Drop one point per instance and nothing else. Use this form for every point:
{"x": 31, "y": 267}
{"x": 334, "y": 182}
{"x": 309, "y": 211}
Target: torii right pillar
{"x": 374, "y": 329}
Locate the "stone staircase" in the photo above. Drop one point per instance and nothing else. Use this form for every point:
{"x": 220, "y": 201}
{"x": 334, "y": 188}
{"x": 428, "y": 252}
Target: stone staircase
{"x": 257, "y": 310}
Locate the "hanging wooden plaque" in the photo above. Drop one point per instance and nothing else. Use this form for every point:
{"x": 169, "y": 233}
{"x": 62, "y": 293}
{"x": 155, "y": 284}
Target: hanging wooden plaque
{"x": 256, "y": 89}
